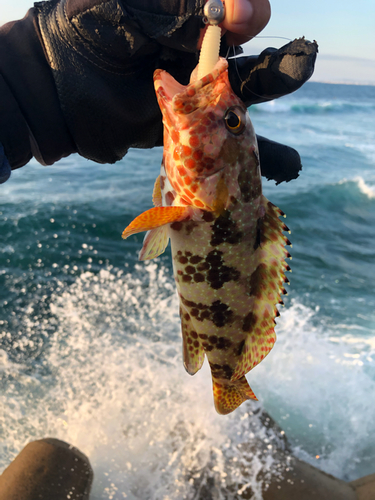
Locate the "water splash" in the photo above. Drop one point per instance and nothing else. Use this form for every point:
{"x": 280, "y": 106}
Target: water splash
{"x": 112, "y": 382}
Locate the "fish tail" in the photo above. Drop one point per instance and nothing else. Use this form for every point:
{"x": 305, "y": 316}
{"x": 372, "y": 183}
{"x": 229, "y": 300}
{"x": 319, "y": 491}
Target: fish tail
{"x": 230, "y": 395}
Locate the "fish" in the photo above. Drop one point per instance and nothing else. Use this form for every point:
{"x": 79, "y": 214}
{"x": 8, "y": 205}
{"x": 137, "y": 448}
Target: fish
{"x": 228, "y": 247}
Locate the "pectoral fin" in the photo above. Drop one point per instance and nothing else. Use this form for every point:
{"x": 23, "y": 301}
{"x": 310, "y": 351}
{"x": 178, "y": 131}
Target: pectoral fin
{"x": 154, "y": 218}
{"x": 155, "y": 243}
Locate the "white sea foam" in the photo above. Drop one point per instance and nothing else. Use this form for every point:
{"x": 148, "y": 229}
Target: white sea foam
{"x": 113, "y": 385}
{"x": 369, "y": 191}
{"x": 317, "y": 383}
{"x": 365, "y": 188}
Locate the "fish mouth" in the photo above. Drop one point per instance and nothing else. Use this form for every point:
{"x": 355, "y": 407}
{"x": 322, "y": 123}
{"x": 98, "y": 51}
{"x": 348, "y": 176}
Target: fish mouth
{"x": 171, "y": 93}
{"x": 169, "y": 85}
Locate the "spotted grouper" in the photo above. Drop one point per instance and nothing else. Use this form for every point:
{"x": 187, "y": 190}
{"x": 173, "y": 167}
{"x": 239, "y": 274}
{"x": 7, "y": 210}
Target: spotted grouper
{"x": 227, "y": 240}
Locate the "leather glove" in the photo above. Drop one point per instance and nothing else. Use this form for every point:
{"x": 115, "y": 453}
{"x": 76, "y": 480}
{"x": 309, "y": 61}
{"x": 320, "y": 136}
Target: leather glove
{"x": 91, "y": 77}
{"x": 4, "y": 166}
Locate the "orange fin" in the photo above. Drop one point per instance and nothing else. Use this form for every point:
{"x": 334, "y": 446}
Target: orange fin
{"x": 155, "y": 243}
{"x": 155, "y": 217}
{"x": 191, "y": 345}
{"x": 156, "y": 195}
{"x": 229, "y": 396}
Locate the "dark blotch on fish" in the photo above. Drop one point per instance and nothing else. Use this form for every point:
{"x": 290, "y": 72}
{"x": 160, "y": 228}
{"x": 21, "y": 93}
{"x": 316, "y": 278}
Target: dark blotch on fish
{"x": 221, "y": 371}
{"x": 250, "y": 187}
{"x": 223, "y": 343}
{"x": 198, "y": 278}
{"x": 218, "y": 312}
{"x": 219, "y": 273}
{"x": 225, "y": 230}
{"x": 176, "y": 226}
{"x": 239, "y": 349}
{"x": 221, "y": 314}
{"x": 208, "y": 216}
{"x": 258, "y": 234}
{"x": 248, "y": 323}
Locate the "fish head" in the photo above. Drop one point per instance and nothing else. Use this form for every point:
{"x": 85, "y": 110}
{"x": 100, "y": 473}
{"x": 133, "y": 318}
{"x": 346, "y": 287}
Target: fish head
{"x": 208, "y": 135}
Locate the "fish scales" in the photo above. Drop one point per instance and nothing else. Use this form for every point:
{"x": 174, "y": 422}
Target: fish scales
{"x": 227, "y": 240}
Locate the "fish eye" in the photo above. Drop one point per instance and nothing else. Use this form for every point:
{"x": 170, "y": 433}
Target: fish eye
{"x": 234, "y": 122}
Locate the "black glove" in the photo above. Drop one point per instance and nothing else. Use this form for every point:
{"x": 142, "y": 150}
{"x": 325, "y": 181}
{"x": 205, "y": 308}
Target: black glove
{"x": 90, "y": 89}
{"x": 274, "y": 73}
{"x": 4, "y": 166}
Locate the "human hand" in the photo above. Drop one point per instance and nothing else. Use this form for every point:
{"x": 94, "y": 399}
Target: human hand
{"x": 244, "y": 19}
{"x": 98, "y": 58}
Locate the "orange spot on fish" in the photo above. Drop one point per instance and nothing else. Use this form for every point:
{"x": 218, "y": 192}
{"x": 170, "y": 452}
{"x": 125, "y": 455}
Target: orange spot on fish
{"x": 194, "y": 141}
{"x": 198, "y": 154}
{"x": 190, "y": 163}
{"x": 175, "y": 136}
{"x": 186, "y": 150}
{"x": 198, "y": 204}
{"x": 188, "y": 193}
{"x": 181, "y": 170}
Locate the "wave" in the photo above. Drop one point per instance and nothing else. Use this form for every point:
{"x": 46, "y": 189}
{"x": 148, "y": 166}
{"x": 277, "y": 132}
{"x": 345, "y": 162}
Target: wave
{"x": 310, "y": 107}
{"x": 333, "y": 197}
{"x": 307, "y": 384}
{"x": 367, "y": 189}
{"x": 112, "y": 370}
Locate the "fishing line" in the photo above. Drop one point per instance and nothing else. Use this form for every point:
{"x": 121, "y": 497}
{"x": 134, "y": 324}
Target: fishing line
{"x": 270, "y": 36}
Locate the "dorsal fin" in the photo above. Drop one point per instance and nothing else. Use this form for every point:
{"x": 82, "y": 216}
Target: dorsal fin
{"x": 266, "y": 285}
{"x": 156, "y": 195}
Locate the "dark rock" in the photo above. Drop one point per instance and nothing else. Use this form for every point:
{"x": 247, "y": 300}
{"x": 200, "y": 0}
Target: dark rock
{"x": 47, "y": 469}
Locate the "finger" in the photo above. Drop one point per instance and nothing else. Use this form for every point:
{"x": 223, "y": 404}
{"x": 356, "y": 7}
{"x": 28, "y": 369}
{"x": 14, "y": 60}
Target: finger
{"x": 244, "y": 19}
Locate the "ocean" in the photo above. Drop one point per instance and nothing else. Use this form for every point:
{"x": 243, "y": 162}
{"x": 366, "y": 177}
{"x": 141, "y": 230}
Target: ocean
{"x": 90, "y": 347}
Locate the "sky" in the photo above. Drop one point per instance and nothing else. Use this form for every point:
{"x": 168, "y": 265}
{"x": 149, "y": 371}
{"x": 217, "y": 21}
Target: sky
{"x": 344, "y": 30}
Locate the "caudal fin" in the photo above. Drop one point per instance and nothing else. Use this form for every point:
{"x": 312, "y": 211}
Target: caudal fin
{"x": 231, "y": 395}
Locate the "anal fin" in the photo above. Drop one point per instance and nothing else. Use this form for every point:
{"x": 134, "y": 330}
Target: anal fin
{"x": 229, "y": 396}
{"x": 155, "y": 243}
{"x": 192, "y": 348}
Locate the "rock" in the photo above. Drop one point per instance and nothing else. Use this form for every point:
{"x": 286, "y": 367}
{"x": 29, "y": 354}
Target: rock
{"x": 47, "y": 469}
{"x": 302, "y": 481}
{"x": 364, "y": 487}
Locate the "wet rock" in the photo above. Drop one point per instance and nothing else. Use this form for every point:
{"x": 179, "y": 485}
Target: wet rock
{"x": 47, "y": 469}
{"x": 364, "y": 487}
